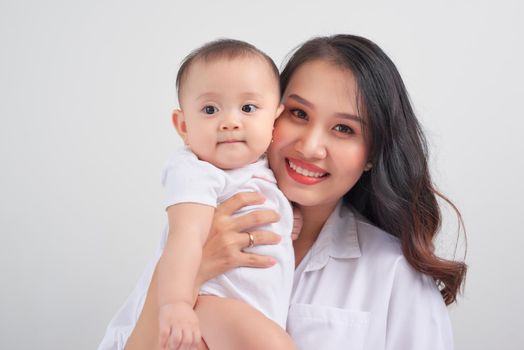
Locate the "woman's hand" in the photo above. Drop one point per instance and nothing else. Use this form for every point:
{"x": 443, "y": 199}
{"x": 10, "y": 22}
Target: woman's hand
{"x": 228, "y": 236}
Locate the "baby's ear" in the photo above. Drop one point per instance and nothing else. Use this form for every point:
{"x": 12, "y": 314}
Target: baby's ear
{"x": 280, "y": 109}
{"x": 179, "y": 122}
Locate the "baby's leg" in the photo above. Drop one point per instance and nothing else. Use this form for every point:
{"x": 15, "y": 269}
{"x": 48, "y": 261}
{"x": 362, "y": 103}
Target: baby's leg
{"x": 229, "y": 324}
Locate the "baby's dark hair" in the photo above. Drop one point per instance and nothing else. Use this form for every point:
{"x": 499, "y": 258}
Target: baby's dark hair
{"x": 222, "y": 48}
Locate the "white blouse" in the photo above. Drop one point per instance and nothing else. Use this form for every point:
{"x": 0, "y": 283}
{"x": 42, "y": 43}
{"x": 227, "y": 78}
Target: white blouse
{"x": 353, "y": 290}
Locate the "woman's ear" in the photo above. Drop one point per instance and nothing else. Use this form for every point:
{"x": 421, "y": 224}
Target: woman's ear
{"x": 280, "y": 109}
{"x": 179, "y": 122}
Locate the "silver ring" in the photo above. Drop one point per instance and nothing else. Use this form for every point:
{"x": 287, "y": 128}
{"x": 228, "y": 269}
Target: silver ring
{"x": 251, "y": 240}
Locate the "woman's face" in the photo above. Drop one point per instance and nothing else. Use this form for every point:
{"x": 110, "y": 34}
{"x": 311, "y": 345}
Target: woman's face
{"x": 319, "y": 150}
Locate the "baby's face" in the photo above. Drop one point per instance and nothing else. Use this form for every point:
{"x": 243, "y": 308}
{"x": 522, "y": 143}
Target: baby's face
{"x": 229, "y": 107}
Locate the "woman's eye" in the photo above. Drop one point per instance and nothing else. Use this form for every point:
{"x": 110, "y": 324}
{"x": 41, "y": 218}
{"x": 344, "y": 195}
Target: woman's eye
{"x": 343, "y": 129}
{"x": 249, "y": 108}
{"x": 210, "y": 110}
{"x": 299, "y": 113}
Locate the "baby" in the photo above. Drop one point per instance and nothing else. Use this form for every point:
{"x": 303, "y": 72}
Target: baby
{"x": 229, "y": 99}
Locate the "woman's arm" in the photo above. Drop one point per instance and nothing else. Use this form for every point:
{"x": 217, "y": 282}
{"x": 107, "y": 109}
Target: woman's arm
{"x": 417, "y": 315}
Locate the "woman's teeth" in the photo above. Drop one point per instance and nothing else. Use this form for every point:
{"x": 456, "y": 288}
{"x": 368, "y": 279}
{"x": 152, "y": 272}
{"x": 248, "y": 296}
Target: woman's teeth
{"x": 304, "y": 172}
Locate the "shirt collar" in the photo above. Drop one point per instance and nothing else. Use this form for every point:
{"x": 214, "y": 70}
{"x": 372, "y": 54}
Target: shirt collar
{"x": 337, "y": 239}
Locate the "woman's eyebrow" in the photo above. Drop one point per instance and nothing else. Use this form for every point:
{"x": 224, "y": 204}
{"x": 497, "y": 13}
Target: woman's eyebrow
{"x": 301, "y": 100}
{"x": 351, "y": 116}
{"x": 338, "y": 115}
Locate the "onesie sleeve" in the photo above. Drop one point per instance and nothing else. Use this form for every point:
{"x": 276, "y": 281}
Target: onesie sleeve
{"x": 186, "y": 179}
{"x": 417, "y": 315}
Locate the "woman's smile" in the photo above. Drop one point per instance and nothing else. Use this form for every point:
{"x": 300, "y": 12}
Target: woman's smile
{"x": 305, "y": 173}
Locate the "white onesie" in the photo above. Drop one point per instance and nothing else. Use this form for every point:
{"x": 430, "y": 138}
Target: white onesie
{"x": 187, "y": 179}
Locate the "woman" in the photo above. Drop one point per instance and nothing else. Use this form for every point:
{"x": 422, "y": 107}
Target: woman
{"x": 349, "y": 152}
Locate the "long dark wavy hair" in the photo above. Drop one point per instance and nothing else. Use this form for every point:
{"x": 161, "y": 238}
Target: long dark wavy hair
{"x": 397, "y": 194}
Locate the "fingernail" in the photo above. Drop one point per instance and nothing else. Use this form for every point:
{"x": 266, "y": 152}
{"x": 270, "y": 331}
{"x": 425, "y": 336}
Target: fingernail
{"x": 271, "y": 261}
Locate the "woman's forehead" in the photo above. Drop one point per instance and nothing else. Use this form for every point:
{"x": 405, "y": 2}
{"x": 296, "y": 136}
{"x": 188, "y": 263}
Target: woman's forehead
{"x": 323, "y": 84}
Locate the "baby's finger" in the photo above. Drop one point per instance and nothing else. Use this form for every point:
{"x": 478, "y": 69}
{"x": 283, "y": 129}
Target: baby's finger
{"x": 238, "y": 201}
{"x": 164, "y": 337}
{"x": 297, "y": 223}
{"x": 255, "y": 218}
{"x": 187, "y": 339}
{"x": 174, "y": 339}
{"x": 197, "y": 337}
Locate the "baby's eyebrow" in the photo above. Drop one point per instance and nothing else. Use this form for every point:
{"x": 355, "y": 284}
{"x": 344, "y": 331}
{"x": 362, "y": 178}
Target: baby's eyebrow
{"x": 247, "y": 94}
{"x": 250, "y": 94}
{"x": 207, "y": 95}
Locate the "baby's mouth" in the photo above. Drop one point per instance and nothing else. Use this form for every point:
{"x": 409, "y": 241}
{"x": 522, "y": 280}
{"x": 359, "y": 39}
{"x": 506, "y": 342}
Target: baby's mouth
{"x": 230, "y": 141}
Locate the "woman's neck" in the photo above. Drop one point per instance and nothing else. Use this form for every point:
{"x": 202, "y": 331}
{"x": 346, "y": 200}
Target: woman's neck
{"x": 313, "y": 219}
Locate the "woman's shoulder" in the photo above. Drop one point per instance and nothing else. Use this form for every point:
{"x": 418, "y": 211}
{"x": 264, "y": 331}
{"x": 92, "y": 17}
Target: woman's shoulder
{"x": 375, "y": 241}
{"x": 384, "y": 250}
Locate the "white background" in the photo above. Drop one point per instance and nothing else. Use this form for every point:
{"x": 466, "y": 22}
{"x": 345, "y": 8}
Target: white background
{"x": 86, "y": 90}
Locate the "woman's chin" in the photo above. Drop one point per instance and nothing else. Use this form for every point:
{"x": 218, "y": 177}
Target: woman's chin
{"x": 301, "y": 197}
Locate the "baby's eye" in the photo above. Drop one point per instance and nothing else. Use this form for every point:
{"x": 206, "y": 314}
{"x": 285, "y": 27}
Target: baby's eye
{"x": 297, "y": 112}
{"x": 249, "y": 108}
{"x": 343, "y": 129}
{"x": 210, "y": 110}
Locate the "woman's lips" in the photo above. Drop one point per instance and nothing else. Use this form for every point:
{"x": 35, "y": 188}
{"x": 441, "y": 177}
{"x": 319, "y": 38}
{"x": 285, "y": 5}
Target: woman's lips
{"x": 304, "y": 173}
{"x": 307, "y": 166}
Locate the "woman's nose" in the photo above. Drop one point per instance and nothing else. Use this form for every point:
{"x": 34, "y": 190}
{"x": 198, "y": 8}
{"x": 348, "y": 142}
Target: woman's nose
{"x": 311, "y": 144}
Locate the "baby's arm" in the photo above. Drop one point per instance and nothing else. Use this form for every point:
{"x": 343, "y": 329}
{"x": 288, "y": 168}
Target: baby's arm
{"x": 189, "y": 225}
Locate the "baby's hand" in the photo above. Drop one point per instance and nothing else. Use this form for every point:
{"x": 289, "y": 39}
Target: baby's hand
{"x": 179, "y": 326}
